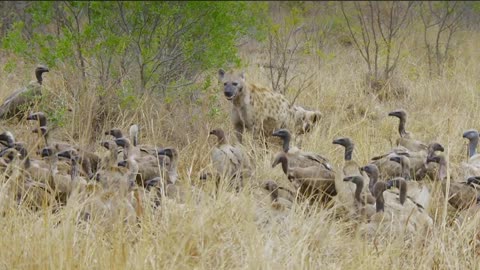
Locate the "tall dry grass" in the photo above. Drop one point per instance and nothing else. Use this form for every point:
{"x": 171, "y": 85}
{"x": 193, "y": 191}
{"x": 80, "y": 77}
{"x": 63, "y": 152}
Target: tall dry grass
{"x": 238, "y": 231}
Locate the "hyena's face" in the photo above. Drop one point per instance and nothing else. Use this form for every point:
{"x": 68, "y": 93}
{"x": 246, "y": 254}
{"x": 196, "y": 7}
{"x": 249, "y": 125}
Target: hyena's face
{"x": 233, "y": 83}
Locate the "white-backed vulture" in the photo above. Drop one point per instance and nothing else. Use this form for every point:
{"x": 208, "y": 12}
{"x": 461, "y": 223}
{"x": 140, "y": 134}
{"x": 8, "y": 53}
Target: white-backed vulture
{"x": 228, "y": 161}
{"x": 419, "y": 192}
{"x": 133, "y": 132}
{"x": 350, "y": 166}
{"x": 63, "y": 184}
{"x": 23, "y": 98}
{"x": 297, "y": 157}
{"x": 461, "y": 195}
{"x": 386, "y": 167}
{"x": 472, "y": 166}
{"x": 361, "y": 196}
{"x": 25, "y": 190}
{"x": 373, "y": 174}
{"x": 432, "y": 167}
{"x": 409, "y": 210}
{"x": 172, "y": 173}
{"x": 363, "y": 201}
{"x": 7, "y": 139}
{"x": 44, "y": 132}
{"x": 88, "y": 161}
{"x": 406, "y": 138}
{"x": 149, "y": 166}
{"x": 393, "y": 216}
{"x": 110, "y": 174}
{"x": 281, "y": 198}
{"x": 313, "y": 183}
{"x": 37, "y": 170}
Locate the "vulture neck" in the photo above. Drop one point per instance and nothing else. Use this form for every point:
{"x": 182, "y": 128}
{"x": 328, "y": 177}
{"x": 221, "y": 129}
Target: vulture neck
{"x": 348, "y": 152}
{"x": 52, "y": 161}
{"x": 401, "y": 127}
{"x": 442, "y": 170}
{"x": 274, "y": 195}
{"x": 133, "y": 167}
{"x": 286, "y": 143}
{"x": 358, "y": 190}
{"x": 74, "y": 169}
{"x": 172, "y": 170}
{"x": 380, "y": 203}
{"x": 373, "y": 179}
{"x": 403, "y": 191}
{"x": 112, "y": 160}
{"x": 405, "y": 169}
{"x": 472, "y": 147}
{"x": 127, "y": 151}
{"x": 38, "y": 74}
{"x": 26, "y": 159}
{"x": 284, "y": 161}
{"x": 45, "y": 137}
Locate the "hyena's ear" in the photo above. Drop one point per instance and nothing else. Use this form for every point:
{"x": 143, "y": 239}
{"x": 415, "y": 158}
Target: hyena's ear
{"x": 242, "y": 75}
{"x": 221, "y": 74}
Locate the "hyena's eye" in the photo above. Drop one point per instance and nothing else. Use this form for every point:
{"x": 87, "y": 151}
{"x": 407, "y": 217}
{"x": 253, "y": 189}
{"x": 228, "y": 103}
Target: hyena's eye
{"x": 225, "y": 83}
{"x": 235, "y": 84}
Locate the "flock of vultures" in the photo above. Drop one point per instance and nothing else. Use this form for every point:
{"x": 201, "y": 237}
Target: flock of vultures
{"x": 391, "y": 192}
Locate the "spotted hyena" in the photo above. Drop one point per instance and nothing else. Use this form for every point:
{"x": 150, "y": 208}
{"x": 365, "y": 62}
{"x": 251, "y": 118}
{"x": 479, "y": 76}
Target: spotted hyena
{"x": 261, "y": 110}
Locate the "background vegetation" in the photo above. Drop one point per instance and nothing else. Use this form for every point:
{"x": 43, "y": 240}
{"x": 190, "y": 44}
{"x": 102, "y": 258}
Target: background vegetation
{"x": 154, "y": 63}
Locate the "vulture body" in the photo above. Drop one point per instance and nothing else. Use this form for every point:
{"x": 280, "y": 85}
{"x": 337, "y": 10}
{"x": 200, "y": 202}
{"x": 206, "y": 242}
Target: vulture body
{"x": 406, "y": 138}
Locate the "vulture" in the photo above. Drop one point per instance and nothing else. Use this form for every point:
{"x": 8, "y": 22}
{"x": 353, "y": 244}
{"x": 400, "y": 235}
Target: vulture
{"x": 282, "y": 198}
{"x": 228, "y": 161}
{"x": 461, "y": 195}
{"x": 23, "y": 98}
{"x": 406, "y": 138}
{"x": 37, "y": 170}
{"x": 172, "y": 154}
{"x": 7, "y": 139}
{"x": 393, "y": 214}
{"x": 350, "y": 167}
{"x": 133, "y": 132}
{"x": 472, "y": 166}
{"x": 44, "y": 133}
{"x": 363, "y": 200}
{"x": 171, "y": 190}
{"x": 297, "y": 157}
{"x": 373, "y": 174}
{"x": 27, "y": 190}
{"x": 418, "y": 191}
{"x": 314, "y": 182}
{"x": 63, "y": 185}
{"x": 410, "y": 211}
{"x": 149, "y": 166}
{"x": 112, "y": 176}
{"x": 419, "y": 168}
{"x": 361, "y": 196}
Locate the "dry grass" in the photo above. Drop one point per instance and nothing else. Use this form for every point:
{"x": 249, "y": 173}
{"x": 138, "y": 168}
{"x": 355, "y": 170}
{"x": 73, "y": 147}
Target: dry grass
{"x": 242, "y": 231}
